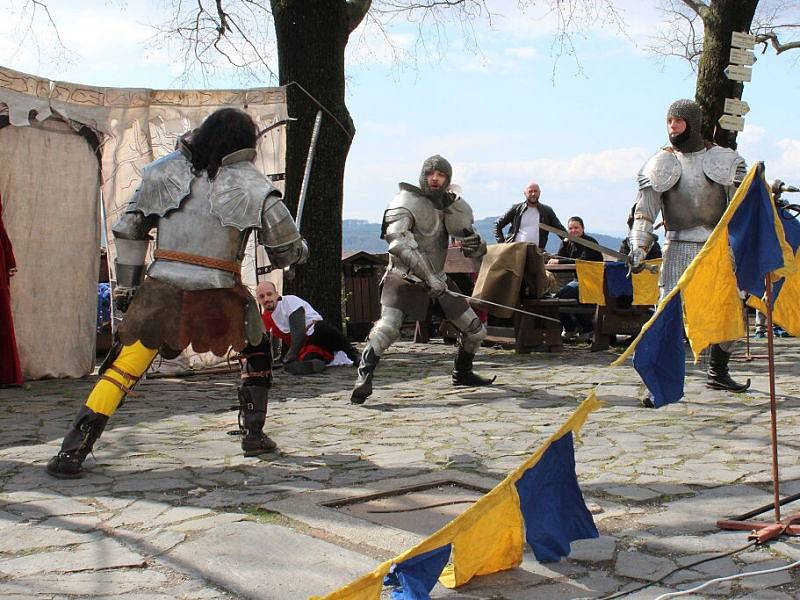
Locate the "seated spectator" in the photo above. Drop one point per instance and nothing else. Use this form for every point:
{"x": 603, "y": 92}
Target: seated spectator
{"x": 309, "y": 342}
{"x": 570, "y": 252}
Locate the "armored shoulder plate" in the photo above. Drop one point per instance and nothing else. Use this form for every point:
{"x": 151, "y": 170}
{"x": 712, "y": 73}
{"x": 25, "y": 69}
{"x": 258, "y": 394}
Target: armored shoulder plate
{"x": 237, "y": 195}
{"x": 458, "y": 218}
{"x": 660, "y": 172}
{"x": 165, "y": 183}
{"x": 426, "y": 219}
{"x": 721, "y": 165}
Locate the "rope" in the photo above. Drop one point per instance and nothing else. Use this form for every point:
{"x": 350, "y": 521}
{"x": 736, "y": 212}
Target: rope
{"x": 323, "y": 108}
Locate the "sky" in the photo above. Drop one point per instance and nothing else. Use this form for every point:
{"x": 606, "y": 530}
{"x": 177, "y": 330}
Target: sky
{"x": 501, "y": 103}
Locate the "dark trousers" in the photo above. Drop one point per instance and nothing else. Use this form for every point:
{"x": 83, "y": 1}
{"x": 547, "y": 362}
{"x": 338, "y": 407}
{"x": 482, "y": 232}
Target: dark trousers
{"x": 329, "y": 337}
{"x": 568, "y": 321}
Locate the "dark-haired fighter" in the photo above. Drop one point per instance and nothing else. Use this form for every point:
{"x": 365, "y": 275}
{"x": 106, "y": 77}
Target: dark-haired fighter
{"x": 204, "y": 199}
{"x": 690, "y": 182}
{"x": 417, "y": 225}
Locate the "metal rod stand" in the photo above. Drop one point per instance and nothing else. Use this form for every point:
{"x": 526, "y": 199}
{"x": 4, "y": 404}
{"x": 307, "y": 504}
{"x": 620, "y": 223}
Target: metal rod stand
{"x": 762, "y": 531}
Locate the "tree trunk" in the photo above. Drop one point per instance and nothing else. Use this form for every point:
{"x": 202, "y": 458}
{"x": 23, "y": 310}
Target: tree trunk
{"x": 311, "y": 38}
{"x": 721, "y": 18}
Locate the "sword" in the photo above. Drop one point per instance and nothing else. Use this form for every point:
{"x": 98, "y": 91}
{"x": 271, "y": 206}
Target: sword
{"x": 592, "y": 245}
{"x": 301, "y": 202}
{"x": 519, "y": 310}
{"x": 307, "y": 173}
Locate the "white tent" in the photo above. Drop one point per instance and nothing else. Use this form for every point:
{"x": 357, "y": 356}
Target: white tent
{"x": 63, "y": 148}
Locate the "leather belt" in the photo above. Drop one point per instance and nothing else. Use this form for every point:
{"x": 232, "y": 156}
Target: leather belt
{"x": 196, "y": 259}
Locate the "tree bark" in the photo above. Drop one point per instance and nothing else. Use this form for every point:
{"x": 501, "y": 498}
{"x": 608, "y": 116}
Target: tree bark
{"x": 722, "y": 18}
{"x": 311, "y": 38}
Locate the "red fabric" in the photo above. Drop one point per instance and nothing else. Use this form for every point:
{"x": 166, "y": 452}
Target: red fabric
{"x": 307, "y": 348}
{"x": 270, "y": 326}
{"x": 10, "y": 371}
{"x": 318, "y": 350}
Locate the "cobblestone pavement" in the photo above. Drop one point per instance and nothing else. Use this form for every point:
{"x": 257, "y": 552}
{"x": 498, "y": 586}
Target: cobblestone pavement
{"x": 172, "y": 510}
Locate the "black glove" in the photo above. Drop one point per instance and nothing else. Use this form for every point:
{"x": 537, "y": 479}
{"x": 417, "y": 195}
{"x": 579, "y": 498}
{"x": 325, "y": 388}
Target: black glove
{"x": 122, "y": 296}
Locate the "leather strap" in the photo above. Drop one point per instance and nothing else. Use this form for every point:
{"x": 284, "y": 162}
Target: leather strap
{"x": 196, "y": 259}
{"x": 256, "y": 374}
{"x": 125, "y": 374}
{"x": 125, "y": 390}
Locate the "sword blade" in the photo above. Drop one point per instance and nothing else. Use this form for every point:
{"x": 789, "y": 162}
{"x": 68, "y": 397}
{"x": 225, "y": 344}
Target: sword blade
{"x": 307, "y": 173}
{"x": 519, "y": 310}
{"x": 586, "y": 243}
{"x": 592, "y": 245}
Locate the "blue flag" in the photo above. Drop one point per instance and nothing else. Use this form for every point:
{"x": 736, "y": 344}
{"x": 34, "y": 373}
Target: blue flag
{"x": 413, "y": 579}
{"x": 552, "y": 504}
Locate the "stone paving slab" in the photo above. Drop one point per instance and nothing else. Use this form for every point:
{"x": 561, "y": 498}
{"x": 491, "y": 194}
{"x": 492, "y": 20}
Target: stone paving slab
{"x": 268, "y": 562}
{"x": 172, "y": 510}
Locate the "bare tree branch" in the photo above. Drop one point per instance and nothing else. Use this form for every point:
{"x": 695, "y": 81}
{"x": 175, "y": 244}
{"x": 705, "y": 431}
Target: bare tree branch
{"x": 772, "y": 37}
{"x": 700, "y": 8}
{"x": 682, "y": 30}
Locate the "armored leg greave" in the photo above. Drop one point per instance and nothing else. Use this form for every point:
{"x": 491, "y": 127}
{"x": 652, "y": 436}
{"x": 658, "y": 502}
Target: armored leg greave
{"x": 385, "y": 332}
{"x": 366, "y": 369}
{"x": 463, "y": 373}
{"x": 718, "y": 375}
{"x": 472, "y": 330}
{"x": 77, "y": 444}
{"x": 256, "y": 362}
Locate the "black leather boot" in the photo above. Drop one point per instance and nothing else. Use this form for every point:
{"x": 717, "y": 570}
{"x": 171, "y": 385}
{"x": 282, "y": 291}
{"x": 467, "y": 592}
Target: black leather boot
{"x": 366, "y": 368}
{"x": 252, "y": 416}
{"x": 463, "y": 373}
{"x": 77, "y": 444}
{"x": 718, "y": 376}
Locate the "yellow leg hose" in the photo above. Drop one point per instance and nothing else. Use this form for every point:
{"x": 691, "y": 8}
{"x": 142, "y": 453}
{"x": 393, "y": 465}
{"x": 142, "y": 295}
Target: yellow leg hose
{"x": 126, "y": 370}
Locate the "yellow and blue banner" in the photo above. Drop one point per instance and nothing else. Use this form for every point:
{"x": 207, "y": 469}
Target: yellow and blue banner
{"x": 539, "y": 502}
{"x": 747, "y": 244}
{"x": 786, "y": 290}
{"x": 595, "y": 277}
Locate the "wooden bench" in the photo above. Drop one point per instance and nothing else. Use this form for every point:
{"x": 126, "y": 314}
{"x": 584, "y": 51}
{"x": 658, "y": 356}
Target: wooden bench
{"x": 615, "y": 319}
{"x": 608, "y": 321}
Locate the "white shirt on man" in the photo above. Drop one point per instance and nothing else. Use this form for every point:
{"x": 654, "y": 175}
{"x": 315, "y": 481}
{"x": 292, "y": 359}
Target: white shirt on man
{"x": 528, "y": 226}
{"x": 286, "y": 305}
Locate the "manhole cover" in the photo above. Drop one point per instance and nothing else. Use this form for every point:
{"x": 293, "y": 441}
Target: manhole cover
{"x": 420, "y": 509}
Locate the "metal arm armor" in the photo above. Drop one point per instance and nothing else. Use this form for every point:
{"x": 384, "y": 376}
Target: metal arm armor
{"x": 279, "y": 235}
{"x": 648, "y": 205}
{"x": 131, "y": 241}
{"x": 403, "y": 245}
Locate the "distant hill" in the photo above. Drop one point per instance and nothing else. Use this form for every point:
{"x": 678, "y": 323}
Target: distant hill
{"x": 363, "y": 235}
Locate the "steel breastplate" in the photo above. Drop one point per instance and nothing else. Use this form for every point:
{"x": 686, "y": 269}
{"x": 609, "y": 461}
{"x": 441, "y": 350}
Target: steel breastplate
{"x": 428, "y": 229}
{"x": 695, "y": 202}
{"x": 193, "y": 229}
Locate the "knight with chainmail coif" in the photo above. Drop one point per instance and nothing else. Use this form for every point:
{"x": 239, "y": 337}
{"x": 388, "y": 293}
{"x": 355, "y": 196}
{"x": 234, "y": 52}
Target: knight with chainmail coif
{"x": 204, "y": 199}
{"x": 690, "y": 182}
{"x": 418, "y": 225}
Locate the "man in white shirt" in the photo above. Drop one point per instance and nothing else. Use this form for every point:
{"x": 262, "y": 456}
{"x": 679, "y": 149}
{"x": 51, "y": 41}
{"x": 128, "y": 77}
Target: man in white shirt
{"x": 524, "y": 219}
{"x": 311, "y": 341}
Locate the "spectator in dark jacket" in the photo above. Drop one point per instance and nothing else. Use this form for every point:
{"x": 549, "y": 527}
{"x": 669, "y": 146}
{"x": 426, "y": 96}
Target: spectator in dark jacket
{"x": 525, "y": 218}
{"x": 570, "y": 251}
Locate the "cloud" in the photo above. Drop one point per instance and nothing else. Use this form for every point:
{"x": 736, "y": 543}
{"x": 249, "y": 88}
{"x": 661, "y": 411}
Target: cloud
{"x": 752, "y": 135}
{"x": 612, "y": 165}
{"x": 523, "y": 53}
{"x": 598, "y": 186}
{"x": 788, "y": 164}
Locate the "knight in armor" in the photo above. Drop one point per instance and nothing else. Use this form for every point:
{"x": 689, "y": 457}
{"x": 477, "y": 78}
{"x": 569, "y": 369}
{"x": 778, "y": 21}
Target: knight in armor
{"x": 418, "y": 225}
{"x": 690, "y": 182}
{"x": 203, "y": 199}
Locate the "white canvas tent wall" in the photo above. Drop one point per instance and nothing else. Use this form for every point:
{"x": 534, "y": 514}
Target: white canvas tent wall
{"x": 51, "y": 180}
